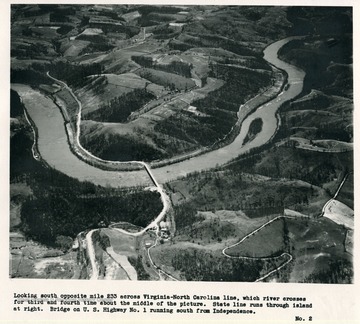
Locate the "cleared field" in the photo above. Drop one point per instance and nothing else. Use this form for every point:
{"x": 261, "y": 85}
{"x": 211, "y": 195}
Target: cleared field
{"x": 29, "y": 259}
{"x": 73, "y": 48}
{"x": 340, "y": 214}
{"x": 91, "y": 129}
{"x": 211, "y": 51}
{"x": 166, "y": 79}
{"x": 115, "y": 262}
{"x": 47, "y": 32}
{"x": 127, "y": 80}
{"x": 188, "y": 261}
{"x": 315, "y": 243}
{"x": 148, "y": 46}
{"x": 121, "y": 243}
{"x": 200, "y": 63}
{"x": 119, "y": 60}
{"x": 156, "y": 90}
{"x": 267, "y": 242}
{"x": 123, "y": 261}
{"x": 112, "y": 269}
{"x": 91, "y": 31}
{"x": 219, "y": 228}
{"x": 214, "y": 231}
{"x": 102, "y": 89}
{"x": 334, "y": 145}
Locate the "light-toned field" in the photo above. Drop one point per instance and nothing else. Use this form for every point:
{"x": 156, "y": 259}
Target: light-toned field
{"x": 73, "y": 48}
{"x": 91, "y": 31}
{"x": 119, "y": 60}
{"x": 165, "y": 79}
{"x": 293, "y": 213}
{"x": 314, "y": 243}
{"x": 47, "y": 32}
{"x": 334, "y": 145}
{"x": 29, "y": 259}
{"x": 211, "y": 51}
{"x": 120, "y": 242}
{"x": 340, "y": 214}
{"x": 128, "y": 80}
{"x": 166, "y": 106}
{"x": 113, "y": 271}
{"x": 123, "y": 261}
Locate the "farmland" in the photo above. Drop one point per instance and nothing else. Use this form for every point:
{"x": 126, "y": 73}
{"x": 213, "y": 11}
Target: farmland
{"x": 100, "y": 75}
{"x": 317, "y": 255}
{"x": 202, "y": 143}
{"x": 272, "y": 234}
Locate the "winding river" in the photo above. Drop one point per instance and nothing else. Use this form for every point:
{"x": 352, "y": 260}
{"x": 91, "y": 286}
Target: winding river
{"x": 54, "y": 148}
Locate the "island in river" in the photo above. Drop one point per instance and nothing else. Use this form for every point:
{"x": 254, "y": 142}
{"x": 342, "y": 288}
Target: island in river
{"x": 170, "y": 177}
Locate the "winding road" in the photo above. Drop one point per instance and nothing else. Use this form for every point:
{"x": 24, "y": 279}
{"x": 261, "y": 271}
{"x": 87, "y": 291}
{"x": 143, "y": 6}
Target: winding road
{"x": 54, "y": 148}
{"x": 50, "y": 143}
{"x": 335, "y": 195}
{"x": 91, "y": 254}
{"x": 261, "y": 258}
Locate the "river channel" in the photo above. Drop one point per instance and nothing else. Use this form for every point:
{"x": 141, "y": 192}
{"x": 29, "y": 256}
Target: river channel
{"x": 54, "y": 147}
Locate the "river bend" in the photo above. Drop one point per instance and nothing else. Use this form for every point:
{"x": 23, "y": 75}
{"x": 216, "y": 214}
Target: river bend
{"x": 54, "y": 147}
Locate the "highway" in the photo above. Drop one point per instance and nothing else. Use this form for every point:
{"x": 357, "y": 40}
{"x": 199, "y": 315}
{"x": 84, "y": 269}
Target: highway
{"x": 267, "y": 112}
{"x": 163, "y": 174}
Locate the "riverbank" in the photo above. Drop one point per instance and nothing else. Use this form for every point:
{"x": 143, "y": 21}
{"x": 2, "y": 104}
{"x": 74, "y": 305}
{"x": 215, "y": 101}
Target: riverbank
{"x": 54, "y": 147}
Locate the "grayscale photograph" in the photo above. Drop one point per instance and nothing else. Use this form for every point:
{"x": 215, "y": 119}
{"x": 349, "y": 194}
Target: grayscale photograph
{"x": 207, "y": 143}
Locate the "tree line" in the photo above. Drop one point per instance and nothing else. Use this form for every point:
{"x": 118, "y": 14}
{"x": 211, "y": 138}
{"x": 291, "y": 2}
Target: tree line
{"x": 118, "y": 109}
{"x": 199, "y": 265}
{"x": 115, "y": 147}
{"x": 219, "y": 107}
{"x": 74, "y": 74}
{"x": 60, "y": 206}
{"x": 176, "y": 67}
{"x": 62, "y": 211}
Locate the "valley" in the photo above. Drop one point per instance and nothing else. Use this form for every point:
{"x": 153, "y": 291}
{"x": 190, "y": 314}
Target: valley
{"x": 202, "y": 144}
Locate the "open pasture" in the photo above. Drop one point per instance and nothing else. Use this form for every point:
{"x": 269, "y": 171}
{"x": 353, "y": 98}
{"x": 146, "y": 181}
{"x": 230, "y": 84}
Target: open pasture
{"x": 166, "y": 79}
{"x": 269, "y": 241}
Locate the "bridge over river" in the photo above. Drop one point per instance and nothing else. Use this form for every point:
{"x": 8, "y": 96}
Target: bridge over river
{"x": 53, "y": 145}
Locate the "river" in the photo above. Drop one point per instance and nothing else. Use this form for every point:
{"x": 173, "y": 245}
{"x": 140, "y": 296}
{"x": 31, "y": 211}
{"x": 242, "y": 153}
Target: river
{"x": 54, "y": 148}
